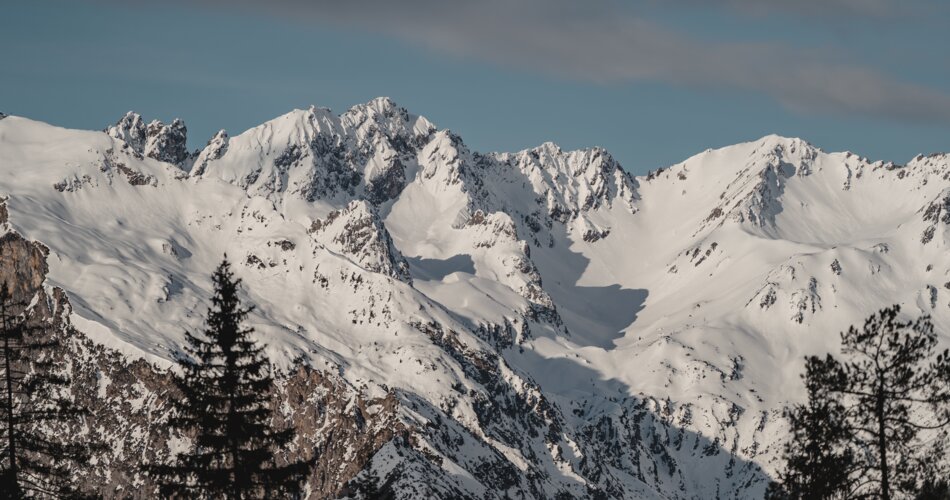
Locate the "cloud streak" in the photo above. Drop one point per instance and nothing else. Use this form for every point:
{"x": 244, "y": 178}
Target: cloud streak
{"x": 605, "y": 42}
{"x": 821, "y": 8}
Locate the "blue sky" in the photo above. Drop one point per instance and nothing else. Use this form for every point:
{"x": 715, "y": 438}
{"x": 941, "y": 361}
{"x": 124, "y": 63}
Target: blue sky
{"x": 653, "y": 81}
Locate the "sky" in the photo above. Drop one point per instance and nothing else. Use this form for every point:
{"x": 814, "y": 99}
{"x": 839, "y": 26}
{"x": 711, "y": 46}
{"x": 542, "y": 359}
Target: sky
{"x": 652, "y": 81}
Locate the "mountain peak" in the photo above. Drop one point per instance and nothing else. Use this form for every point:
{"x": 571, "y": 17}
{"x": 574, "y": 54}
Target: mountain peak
{"x": 216, "y": 148}
{"x": 130, "y": 129}
{"x": 381, "y": 104}
{"x": 379, "y": 108}
{"x": 548, "y": 146}
{"x": 384, "y": 114}
{"x": 167, "y": 143}
{"x": 787, "y": 146}
{"x": 776, "y": 139}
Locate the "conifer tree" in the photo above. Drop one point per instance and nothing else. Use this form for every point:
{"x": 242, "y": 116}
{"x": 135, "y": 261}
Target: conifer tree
{"x": 226, "y": 384}
{"x": 819, "y": 456}
{"x": 876, "y": 411}
{"x": 38, "y": 456}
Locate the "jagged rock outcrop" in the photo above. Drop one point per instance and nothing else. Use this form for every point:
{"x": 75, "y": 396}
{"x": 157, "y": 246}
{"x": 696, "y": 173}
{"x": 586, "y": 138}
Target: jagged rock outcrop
{"x": 314, "y": 154}
{"x": 166, "y": 143}
{"x": 357, "y": 232}
{"x": 796, "y": 295}
{"x": 936, "y": 214}
{"x": 574, "y": 182}
{"x": 497, "y": 232}
{"x": 163, "y": 142}
{"x": 753, "y": 197}
{"x": 216, "y": 148}
{"x": 130, "y": 129}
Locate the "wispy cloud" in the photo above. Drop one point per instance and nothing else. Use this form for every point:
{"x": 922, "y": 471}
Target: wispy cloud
{"x": 605, "y": 41}
{"x": 864, "y": 8}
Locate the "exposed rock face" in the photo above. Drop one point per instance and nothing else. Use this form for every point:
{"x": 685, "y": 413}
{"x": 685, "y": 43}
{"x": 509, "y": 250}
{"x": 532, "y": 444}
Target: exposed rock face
{"x": 753, "y": 196}
{"x": 573, "y": 182}
{"x": 936, "y": 214}
{"x": 131, "y": 130}
{"x": 167, "y": 143}
{"x": 22, "y": 264}
{"x": 357, "y": 232}
{"x": 786, "y": 288}
{"x": 386, "y": 183}
{"x": 497, "y": 231}
{"x": 23, "y": 270}
{"x": 216, "y": 148}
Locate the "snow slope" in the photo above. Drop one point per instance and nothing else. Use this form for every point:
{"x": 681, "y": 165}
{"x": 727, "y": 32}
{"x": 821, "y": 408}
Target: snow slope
{"x": 557, "y": 325}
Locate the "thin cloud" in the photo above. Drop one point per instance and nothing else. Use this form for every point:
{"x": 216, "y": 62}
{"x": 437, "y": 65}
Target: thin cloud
{"x": 603, "y": 41}
{"x": 865, "y": 8}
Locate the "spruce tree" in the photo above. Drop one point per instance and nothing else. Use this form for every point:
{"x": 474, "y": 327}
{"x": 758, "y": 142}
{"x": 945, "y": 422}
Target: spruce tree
{"x": 226, "y": 384}
{"x": 39, "y": 452}
{"x": 885, "y": 401}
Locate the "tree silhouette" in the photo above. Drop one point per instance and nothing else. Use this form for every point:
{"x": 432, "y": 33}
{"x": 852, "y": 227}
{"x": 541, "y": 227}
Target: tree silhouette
{"x": 875, "y": 423}
{"x": 934, "y": 489}
{"x": 366, "y": 486}
{"x": 38, "y": 459}
{"x": 819, "y": 457}
{"x": 226, "y": 384}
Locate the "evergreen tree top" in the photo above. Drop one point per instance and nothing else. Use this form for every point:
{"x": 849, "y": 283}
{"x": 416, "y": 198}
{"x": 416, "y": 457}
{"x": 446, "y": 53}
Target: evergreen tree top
{"x": 226, "y": 386}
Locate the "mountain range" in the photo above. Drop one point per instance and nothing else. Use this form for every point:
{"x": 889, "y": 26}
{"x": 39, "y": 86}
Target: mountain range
{"x": 458, "y": 324}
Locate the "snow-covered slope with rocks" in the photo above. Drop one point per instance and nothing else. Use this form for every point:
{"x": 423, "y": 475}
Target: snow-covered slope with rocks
{"x": 538, "y": 323}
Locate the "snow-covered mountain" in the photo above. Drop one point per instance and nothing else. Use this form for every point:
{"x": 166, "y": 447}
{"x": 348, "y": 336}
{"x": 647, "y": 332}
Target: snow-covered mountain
{"x": 459, "y": 324}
